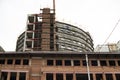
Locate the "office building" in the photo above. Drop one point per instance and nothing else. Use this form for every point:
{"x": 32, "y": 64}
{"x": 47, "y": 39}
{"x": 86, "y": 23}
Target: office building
{"x": 59, "y": 65}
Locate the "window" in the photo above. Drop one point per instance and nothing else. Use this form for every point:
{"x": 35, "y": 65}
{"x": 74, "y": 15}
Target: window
{"x": 59, "y": 76}
{"x": 22, "y": 76}
{"x": 81, "y": 77}
{"x": 94, "y": 63}
{"x": 67, "y": 62}
{"x": 118, "y": 62}
{"x": 9, "y": 61}
{"x": 84, "y": 63}
{"x": 99, "y": 77}
{"x": 25, "y": 62}
{"x": 13, "y": 76}
{"x": 49, "y": 76}
{"x": 109, "y": 77}
{"x": 58, "y": 62}
{"x": 76, "y": 62}
{"x": 2, "y": 61}
{"x": 103, "y": 63}
{"x": 69, "y": 76}
{"x": 4, "y": 76}
{"x": 31, "y": 19}
{"x": 117, "y": 76}
{"x": 50, "y": 62}
{"x": 112, "y": 63}
{"x": 17, "y": 61}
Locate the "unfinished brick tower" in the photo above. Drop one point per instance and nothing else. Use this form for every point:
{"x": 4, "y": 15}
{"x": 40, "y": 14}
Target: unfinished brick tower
{"x": 40, "y": 33}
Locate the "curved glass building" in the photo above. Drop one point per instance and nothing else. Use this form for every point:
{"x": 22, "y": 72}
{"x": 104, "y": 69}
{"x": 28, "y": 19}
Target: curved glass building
{"x": 72, "y": 38}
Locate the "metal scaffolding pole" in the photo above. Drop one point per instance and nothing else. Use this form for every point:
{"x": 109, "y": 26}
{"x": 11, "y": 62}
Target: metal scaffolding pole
{"x": 87, "y": 62}
{"x": 88, "y": 70}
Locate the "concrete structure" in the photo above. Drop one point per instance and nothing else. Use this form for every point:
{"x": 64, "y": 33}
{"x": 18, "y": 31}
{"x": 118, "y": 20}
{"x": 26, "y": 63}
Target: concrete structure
{"x": 1, "y": 49}
{"x": 43, "y": 33}
{"x": 118, "y": 46}
{"x": 111, "y": 47}
{"x": 56, "y": 65}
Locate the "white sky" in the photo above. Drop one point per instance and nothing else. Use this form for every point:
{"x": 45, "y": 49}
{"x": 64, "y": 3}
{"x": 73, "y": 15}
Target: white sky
{"x": 98, "y": 17}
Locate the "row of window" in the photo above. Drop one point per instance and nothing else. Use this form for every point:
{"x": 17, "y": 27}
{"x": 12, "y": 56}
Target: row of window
{"x": 16, "y": 61}
{"x": 78, "y": 76}
{"x": 83, "y": 62}
{"x": 13, "y": 76}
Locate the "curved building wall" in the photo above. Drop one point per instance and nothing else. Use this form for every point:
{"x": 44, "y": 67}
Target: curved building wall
{"x": 68, "y": 38}
{"x": 73, "y": 38}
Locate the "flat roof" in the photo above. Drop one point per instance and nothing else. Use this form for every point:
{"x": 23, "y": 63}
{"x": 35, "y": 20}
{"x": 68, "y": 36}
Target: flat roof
{"x": 60, "y": 54}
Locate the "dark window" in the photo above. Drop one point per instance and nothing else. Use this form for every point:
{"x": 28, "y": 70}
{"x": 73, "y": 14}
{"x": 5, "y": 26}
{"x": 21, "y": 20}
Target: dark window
{"x": 31, "y": 19}
{"x": 2, "y": 61}
{"x": 22, "y": 76}
{"x": 109, "y": 77}
{"x": 81, "y": 77}
{"x": 112, "y": 63}
{"x": 117, "y": 76}
{"x": 13, "y": 76}
{"x": 49, "y": 76}
{"x": 67, "y": 62}
{"x": 59, "y": 76}
{"x": 9, "y": 61}
{"x": 25, "y": 61}
{"x": 99, "y": 77}
{"x": 103, "y": 63}
{"x": 58, "y": 62}
{"x": 118, "y": 62}
{"x": 76, "y": 62}
{"x": 69, "y": 76}
{"x": 50, "y": 62}
{"x": 4, "y": 76}
{"x": 17, "y": 61}
{"x": 84, "y": 63}
{"x": 94, "y": 63}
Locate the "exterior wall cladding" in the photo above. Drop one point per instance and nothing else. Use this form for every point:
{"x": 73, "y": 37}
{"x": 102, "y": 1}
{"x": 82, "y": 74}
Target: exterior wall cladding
{"x": 43, "y": 33}
{"x": 59, "y": 65}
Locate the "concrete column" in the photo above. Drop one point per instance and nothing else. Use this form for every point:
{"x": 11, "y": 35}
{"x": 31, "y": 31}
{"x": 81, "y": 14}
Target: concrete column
{"x": 98, "y": 61}
{"x": 54, "y": 62}
{"x": 107, "y": 62}
{"x": 54, "y": 76}
{"x": 94, "y": 76}
{"x": 64, "y": 76}
{"x": 114, "y": 77}
{"x": 14, "y": 62}
{"x": 17, "y": 77}
{"x": 89, "y": 63}
{"x": 43, "y": 77}
{"x": 5, "y": 61}
{"x": 72, "y": 63}
{"x": 104, "y": 76}
{"x": 21, "y": 62}
{"x": 74, "y": 76}
{"x": 63, "y": 62}
{"x": 8, "y": 76}
{"x": 81, "y": 63}
{"x": 116, "y": 62}
{"x": 27, "y": 76}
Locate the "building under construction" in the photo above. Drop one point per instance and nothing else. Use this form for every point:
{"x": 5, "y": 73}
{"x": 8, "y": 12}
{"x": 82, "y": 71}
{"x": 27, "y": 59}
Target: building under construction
{"x": 43, "y": 33}
{"x": 53, "y": 50}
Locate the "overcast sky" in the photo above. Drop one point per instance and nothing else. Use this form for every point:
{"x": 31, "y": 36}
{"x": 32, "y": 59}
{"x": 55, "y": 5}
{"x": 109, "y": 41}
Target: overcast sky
{"x": 98, "y": 17}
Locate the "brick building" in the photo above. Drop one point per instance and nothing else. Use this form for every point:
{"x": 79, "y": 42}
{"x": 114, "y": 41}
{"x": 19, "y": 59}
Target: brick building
{"x": 57, "y": 65}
